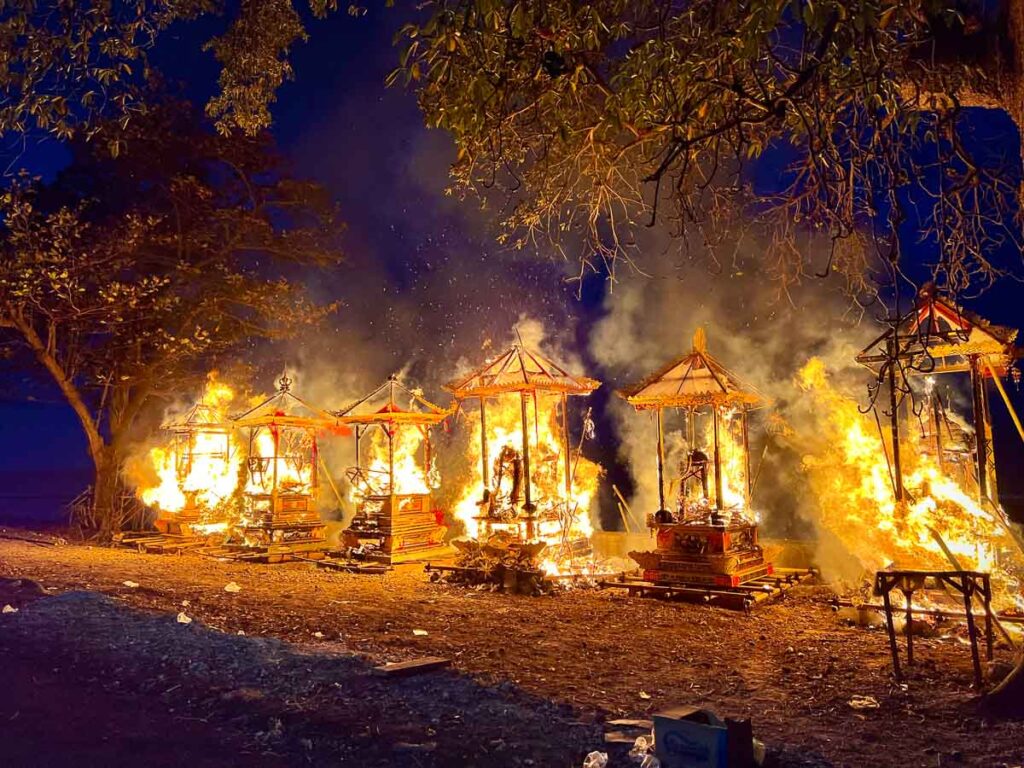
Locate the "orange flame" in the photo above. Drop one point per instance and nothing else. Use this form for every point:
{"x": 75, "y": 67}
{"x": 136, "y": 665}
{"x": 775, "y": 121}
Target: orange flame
{"x": 199, "y": 467}
{"x": 852, "y": 480}
{"x": 561, "y": 518}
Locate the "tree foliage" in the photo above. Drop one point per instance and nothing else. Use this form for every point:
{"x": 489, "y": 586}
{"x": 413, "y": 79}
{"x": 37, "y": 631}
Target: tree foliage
{"x": 598, "y": 118}
{"x": 127, "y": 278}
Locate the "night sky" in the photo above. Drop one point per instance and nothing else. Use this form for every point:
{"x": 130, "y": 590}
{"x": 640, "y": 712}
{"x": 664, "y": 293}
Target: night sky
{"x": 424, "y": 284}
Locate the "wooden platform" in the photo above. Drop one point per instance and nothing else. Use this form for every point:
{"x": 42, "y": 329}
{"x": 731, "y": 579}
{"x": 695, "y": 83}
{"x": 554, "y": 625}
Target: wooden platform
{"x": 742, "y": 597}
{"x": 151, "y": 542}
{"x": 268, "y": 553}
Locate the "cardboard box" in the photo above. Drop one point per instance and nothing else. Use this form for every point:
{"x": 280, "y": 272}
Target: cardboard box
{"x": 690, "y": 737}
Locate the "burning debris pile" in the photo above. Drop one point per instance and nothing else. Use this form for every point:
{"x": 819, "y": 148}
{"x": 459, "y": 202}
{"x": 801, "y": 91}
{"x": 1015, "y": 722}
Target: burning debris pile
{"x": 502, "y": 563}
{"x": 529, "y": 485}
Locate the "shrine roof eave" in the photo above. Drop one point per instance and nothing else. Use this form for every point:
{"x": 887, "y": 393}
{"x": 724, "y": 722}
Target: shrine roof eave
{"x": 579, "y": 386}
{"x": 744, "y": 400}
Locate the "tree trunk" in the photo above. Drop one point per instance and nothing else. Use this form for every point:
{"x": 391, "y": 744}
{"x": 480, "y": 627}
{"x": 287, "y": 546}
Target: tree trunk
{"x": 106, "y": 507}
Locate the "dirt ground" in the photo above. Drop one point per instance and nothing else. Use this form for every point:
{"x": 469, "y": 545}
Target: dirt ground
{"x": 532, "y": 679}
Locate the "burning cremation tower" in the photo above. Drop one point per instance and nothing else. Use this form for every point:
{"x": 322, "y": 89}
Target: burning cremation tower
{"x": 395, "y": 520}
{"x": 936, "y": 337}
{"x": 283, "y": 479}
{"x": 538, "y": 384}
{"x": 703, "y": 540}
{"x": 201, "y": 442}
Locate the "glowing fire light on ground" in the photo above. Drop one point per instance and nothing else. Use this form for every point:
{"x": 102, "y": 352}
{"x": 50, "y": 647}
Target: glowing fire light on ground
{"x": 850, "y": 475}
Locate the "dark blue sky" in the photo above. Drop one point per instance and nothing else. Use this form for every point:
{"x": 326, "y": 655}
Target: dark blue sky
{"x": 424, "y": 282}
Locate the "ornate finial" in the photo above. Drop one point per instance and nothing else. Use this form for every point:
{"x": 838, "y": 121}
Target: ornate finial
{"x": 700, "y": 340}
{"x": 284, "y": 384}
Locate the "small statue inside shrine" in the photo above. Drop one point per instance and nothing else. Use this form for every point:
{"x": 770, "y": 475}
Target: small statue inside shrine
{"x": 508, "y": 473}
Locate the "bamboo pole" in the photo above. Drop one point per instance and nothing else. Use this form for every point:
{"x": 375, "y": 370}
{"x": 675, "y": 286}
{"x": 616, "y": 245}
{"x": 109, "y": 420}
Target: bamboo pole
{"x": 661, "y": 463}
{"x": 746, "y": 457}
{"x": 484, "y": 458}
{"x": 527, "y": 486}
{"x": 1006, "y": 400}
{"x": 718, "y": 461}
{"x": 980, "y": 438}
{"x": 894, "y": 423}
{"x": 565, "y": 442}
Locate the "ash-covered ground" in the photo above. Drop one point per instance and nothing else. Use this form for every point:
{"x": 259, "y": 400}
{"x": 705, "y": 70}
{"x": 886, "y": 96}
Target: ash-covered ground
{"x": 279, "y": 672}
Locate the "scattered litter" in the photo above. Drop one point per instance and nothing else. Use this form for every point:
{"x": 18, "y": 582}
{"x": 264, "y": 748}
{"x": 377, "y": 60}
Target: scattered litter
{"x": 232, "y": 587}
{"x": 864, "y": 702}
{"x": 631, "y": 722}
{"x": 183, "y": 618}
{"x": 415, "y": 666}
{"x": 318, "y": 635}
{"x": 186, "y": 603}
{"x": 596, "y": 760}
{"x": 131, "y": 584}
{"x": 10, "y": 609}
{"x": 420, "y": 632}
{"x": 641, "y": 747}
{"x": 240, "y": 632}
{"x": 644, "y": 695}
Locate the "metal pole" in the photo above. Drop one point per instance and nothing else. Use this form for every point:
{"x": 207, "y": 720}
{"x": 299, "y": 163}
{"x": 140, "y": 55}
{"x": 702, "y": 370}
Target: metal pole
{"x": 565, "y": 440}
{"x": 527, "y": 490}
{"x": 718, "y": 461}
{"x": 273, "y": 491}
{"x": 894, "y": 422}
{"x": 661, "y": 463}
{"x": 484, "y": 458}
{"x": 981, "y": 439}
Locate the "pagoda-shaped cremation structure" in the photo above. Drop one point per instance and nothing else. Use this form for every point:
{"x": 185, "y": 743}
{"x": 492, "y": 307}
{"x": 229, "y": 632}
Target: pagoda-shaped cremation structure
{"x": 394, "y": 475}
{"x": 512, "y": 501}
{"x": 706, "y": 538}
{"x": 282, "y": 488}
{"x": 201, "y": 437}
{"x": 937, "y": 336}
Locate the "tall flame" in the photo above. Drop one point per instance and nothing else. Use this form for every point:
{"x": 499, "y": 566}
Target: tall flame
{"x": 851, "y": 477}
{"x": 731, "y": 457}
{"x": 199, "y": 467}
{"x": 547, "y": 470}
{"x": 281, "y": 453}
{"x": 411, "y": 473}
